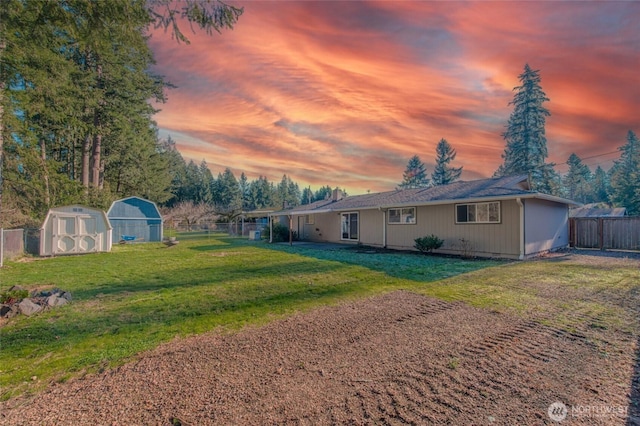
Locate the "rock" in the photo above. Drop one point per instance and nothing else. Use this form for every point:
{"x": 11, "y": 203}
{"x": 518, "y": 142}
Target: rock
{"x": 55, "y": 300}
{"x": 8, "y": 311}
{"x": 16, "y": 288}
{"x": 66, "y": 295}
{"x": 28, "y": 308}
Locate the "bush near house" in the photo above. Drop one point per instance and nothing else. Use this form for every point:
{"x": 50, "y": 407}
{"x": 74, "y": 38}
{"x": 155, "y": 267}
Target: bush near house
{"x": 280, "y": 233}
{"x": 428, "y": 243}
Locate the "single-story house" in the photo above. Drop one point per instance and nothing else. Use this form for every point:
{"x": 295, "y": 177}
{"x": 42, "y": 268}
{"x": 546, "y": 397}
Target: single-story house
{"x": 498, "y": 217}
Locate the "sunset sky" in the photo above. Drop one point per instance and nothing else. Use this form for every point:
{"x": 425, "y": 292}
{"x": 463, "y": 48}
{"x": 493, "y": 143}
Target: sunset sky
{"x": 345, "y": 92}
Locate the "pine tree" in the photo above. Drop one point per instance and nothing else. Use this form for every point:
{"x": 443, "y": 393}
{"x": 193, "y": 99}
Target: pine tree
{"x": 601, "y": 186}
{"x": 323, "y": 193}
{"x": 243, "y": 184}
{"x": 625, "y": 176}
{"x": 443, "y": 173}
{"x": 415, "y": 175}
{"x": 228, "y": 195}
{"x": 578, "y": 181}
{"x": 526, "y": 148}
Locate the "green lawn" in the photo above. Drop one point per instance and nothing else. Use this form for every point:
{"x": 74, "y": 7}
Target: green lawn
{"x": 140, "y": 295}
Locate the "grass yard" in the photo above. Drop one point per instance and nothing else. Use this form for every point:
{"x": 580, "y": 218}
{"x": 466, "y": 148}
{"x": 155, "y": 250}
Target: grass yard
{"x": 138, "y": 296}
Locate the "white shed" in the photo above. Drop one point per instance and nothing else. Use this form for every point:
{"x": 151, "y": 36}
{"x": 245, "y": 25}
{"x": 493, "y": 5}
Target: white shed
{"x": 75, "y": 230}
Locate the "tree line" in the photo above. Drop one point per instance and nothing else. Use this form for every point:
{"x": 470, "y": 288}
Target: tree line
{"x": 76, "y": 122}
{"x": 526, "y": 153}
{"x": 198, "y": 195}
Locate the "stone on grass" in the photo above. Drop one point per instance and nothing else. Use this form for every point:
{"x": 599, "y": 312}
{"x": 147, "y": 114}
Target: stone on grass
{"x": 8, "y": 311}
{"x": 28, "y": 308}
{"x": 55, "y": 300}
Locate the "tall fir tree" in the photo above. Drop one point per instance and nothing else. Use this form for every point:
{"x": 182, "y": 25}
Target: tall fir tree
{"x": 578, "y": 181}
{"x": 601, "y": 186}
{"x": 415, "y": 175}
{"x": 444, "y": 173}
{"x": 526, "y": 149}
{"x": 625, "y": 176}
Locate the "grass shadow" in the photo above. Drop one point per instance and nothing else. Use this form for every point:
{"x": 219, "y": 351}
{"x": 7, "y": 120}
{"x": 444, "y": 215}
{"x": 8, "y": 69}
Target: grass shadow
{"x": 404, "y": 265}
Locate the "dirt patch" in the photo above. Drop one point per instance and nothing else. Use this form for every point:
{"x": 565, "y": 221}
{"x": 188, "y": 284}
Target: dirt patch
{"x": 400, "y": 358}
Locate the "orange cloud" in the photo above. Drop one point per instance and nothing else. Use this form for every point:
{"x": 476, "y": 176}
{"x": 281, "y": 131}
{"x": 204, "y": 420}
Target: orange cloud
{"x": 344, "y": 93}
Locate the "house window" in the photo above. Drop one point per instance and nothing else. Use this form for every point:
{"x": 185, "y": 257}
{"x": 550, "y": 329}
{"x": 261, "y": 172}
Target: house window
{"x": 349, "y": 226}
{"x": 309, "y": 219}
{"x": 403, "y": 216}
{"x": 478, "y": 212}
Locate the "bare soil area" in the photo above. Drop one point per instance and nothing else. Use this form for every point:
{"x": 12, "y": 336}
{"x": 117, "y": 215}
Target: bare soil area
{"x": 399, "y": 358}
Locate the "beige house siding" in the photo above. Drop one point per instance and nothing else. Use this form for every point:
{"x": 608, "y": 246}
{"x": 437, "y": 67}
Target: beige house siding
{"x": 371, "y": 222}
{"x": 495, "y": 239}
{"x": 539, "y": 236}
{"x": 325, "y": 228}
{"x": 485, "y": 240}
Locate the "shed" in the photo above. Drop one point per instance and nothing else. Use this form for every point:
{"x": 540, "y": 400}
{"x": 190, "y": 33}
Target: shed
{"x": 75, "y": 230}
{"x": 135, "y": 217}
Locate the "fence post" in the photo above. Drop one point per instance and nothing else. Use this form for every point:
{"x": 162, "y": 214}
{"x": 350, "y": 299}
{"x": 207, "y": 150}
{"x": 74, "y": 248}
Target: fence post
{"x": 601, "y": 233}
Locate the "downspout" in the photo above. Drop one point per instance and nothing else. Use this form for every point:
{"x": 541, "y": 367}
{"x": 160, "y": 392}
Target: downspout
{"x": 290, "y": 230}
{"x": 521, "y": 205}
{"x": 384, "y": 227}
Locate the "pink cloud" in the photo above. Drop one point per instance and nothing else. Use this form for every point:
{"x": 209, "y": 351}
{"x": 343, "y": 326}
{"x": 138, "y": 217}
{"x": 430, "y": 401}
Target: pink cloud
{"x": 344, "y": 93}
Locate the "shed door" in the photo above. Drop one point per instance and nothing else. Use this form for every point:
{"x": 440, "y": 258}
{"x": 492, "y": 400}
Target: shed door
{"x": 74, "y": 234}
{"x": 154, "y": 232}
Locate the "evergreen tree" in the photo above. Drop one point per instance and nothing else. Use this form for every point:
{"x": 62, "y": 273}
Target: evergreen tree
{"x": 625, "y": 176}
{"x": 415, "y": 175}
{"x": 601, "y": 186}
{"x": 578, "y": 181}
{"x": 443, "y": 173}
{"x": 260, "y": 193}
{"x": 243, "y": 184}
{"x": 322, "y": 193}
{"x": 307, "y": 196}
{"x": 228, "y": 195}
{"x": 287, "y": 193}
{"x": 526, "y": 148}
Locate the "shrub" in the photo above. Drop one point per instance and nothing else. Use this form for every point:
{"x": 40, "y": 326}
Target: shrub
{"x": 281, "y": 233}
{"x": 428, "y": 244}
{"x": 11, "y": 296}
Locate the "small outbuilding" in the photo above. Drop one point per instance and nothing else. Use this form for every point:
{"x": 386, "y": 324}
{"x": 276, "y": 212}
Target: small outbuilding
{"x": 75, "y": 230}
{"x": 135, "y": 219}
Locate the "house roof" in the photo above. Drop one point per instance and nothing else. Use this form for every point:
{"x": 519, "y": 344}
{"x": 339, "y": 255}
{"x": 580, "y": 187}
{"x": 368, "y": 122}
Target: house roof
{"x": 597, "y": 211}
{"x": 461, "y": 191}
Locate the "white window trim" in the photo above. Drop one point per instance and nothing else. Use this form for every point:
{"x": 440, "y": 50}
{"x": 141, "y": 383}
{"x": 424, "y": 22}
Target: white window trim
{"x": 476, "y": 221}
{"x": 401, "y": 222}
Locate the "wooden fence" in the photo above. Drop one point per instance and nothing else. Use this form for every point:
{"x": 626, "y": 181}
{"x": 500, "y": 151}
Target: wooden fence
{"x": 605, "y": 233}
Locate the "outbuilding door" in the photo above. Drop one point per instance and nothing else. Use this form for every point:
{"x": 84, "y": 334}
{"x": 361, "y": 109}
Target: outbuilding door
{"x": 74, "y": 234}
